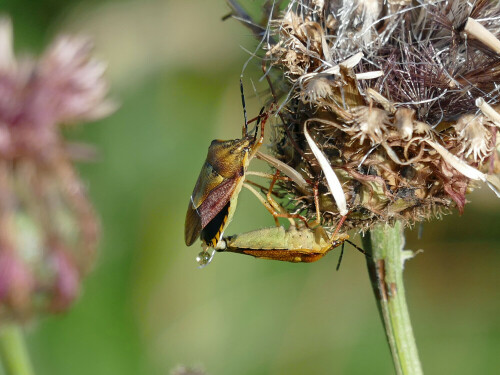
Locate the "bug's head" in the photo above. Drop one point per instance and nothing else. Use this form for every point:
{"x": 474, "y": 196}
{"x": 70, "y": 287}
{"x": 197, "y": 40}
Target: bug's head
{"x": 229, "y": 157}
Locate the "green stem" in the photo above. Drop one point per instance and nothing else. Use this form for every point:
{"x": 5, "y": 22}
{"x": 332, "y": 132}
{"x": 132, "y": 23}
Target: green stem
{"x": 13, "y": 351}
{"x": 385, "y": 244}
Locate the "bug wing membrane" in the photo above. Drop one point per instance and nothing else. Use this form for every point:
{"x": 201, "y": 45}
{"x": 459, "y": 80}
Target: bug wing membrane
{"x": 210, "y": 196}
{"x": 192, "y": 227}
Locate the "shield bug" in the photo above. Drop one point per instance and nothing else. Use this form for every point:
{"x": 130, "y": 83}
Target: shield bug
{"x": 277, "y": 243}
{"x": 296, "y": 245}
{"x": 215, "y": 194}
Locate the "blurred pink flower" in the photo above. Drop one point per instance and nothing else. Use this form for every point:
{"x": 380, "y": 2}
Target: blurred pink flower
{"x": 48, "y": 229}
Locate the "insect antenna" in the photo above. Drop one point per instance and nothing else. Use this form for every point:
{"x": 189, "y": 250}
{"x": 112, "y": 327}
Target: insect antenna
{"x": 259, "y": 118}
{"x": 340, "y": 257}
{"x": 244, "y": 108}
{"x": 358, "y": 248}
{"x": 353, "y": 245}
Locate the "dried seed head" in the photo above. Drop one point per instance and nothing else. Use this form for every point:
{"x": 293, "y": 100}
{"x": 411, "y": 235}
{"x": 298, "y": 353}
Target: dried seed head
{"x": 48, "y": 229}
{"x": 474, "y": 136}
{"x": 316, "y": 89}
{"x": 390, "y": 93}
{"x": 369, "y": 123}
{"x": 404, "y": 121}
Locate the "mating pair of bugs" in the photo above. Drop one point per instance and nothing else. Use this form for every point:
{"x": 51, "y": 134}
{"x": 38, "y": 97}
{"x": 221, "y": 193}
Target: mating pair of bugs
{"x": 214, "y": 198}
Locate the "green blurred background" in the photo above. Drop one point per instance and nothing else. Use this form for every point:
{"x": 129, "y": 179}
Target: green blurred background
{"x": 146, "y": 308}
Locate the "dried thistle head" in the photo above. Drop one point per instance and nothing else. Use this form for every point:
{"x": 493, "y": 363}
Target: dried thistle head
{"x": 48, "y": 229}
{"x": 402, "y": 99}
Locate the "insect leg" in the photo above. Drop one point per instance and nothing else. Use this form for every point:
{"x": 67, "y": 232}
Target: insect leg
{"x": 265, "y": 188}
{"x": 259, "y": 142}
{"x": 271, "y": 210}
{"x": 316, "y": 203}
{"x": 257, "y": 118}
{"x": 267, "y": 175}
{"x": 269, "y": 197}
{"x": 277, "y": 206}
{"x": 342, "y": 219}
{"x": 274, "y": 211}
{"x": 318, "y": 226}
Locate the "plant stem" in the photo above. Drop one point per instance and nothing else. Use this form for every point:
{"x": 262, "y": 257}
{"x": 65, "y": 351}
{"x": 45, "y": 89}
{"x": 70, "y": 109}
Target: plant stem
{"x": 385, "y": 244}
{"x": 13, "y": 351}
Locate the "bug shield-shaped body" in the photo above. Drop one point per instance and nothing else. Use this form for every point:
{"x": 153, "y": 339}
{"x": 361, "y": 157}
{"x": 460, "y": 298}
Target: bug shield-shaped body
{"x": 277, "y": 243}
{"x": 216, "y": 192}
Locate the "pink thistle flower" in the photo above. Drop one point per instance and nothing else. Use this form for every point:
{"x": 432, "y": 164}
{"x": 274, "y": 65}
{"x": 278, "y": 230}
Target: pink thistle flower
{"x": 48, "y": 229}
